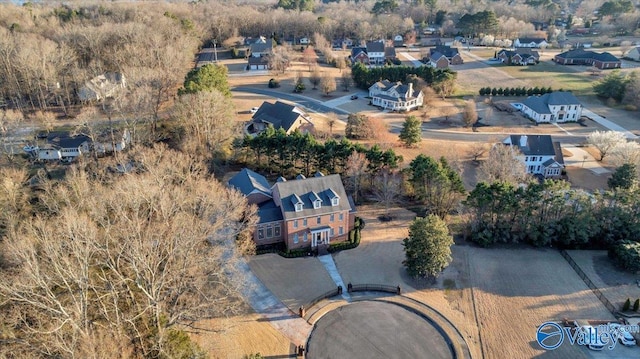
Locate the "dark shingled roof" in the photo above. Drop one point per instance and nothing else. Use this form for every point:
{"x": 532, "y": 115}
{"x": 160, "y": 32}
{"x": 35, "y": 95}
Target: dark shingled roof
{"x": 356, "y": 51}
{"x": 375, "y": 46}
{"x": 269, "y": 212}
{"x": 247, "y": 182}
{"x": 389, "y": 52}
{"x": 583, "y": 54}
{"x": 540, "y": 145}
{"x": 262, "y": 47}
{"x": 64, "y": 140}
{"x": 528, "y": 40}
{"x": 279, "y": 114}
{"x": 435, "y": 56}
{"x": 447, "y": 51}
{"x": 324, "y": 187}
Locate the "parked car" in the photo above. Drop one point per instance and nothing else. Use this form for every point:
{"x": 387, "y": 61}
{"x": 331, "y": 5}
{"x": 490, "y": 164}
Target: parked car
{"x": 354, "y": 97}
{"x": 594, "y": 342}
{"x": 625, "y": 338}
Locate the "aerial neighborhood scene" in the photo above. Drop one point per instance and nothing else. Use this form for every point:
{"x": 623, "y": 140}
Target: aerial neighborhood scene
{"x": 319, "y": 179}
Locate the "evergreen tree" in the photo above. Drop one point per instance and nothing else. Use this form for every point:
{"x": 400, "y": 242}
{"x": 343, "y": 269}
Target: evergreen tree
{"x": 411, "y": 133}
{"x": 428, "y": 247}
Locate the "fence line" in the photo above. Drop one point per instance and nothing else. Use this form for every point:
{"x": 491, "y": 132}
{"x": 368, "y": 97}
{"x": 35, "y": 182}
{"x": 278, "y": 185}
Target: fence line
{"x": 329, "y": 294}
{"x": 373, "y": 288}
{"x": 589, "y": 283}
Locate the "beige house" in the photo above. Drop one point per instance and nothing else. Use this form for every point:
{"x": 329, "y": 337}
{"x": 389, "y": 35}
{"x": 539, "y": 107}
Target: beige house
{"x": 395, "y": 96}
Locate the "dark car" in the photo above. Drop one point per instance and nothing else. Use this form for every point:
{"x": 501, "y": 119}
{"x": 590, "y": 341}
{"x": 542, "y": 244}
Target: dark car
{"x": 354, "y": 97}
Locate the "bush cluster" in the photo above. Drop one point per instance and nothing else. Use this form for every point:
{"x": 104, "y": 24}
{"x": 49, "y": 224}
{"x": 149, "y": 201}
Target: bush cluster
{"x": 626, "y": 255}
{"x": 514, "y": 91}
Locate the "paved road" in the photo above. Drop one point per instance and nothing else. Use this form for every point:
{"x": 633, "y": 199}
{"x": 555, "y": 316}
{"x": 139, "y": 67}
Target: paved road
{"x": 376, "y": 330}
{"x": 306, "y": 102}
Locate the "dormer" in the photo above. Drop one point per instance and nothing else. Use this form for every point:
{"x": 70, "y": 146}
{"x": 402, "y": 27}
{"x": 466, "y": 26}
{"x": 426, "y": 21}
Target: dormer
{"x": 315, "y": 199}
{"x": 297, "y": 203}
{"x": 333, "y": 196}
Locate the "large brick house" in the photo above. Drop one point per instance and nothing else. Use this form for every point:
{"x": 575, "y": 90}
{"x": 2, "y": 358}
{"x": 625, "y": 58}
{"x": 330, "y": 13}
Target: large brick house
{"x": 301, "y": 212}
{"x": 601, "y": 60}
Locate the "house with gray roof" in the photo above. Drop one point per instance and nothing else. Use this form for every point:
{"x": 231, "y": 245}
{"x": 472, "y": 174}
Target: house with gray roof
{"x": 279, "y": 115}
{"x": 395, "y": 96}
{"x": 539, "y": 154}
{"x": 301, "y": 213}
{"x": 553, "y": 107}
{"x": 601, "y": 60}
{"x": 451, "y": 53}
{"x": 519, "y": 56}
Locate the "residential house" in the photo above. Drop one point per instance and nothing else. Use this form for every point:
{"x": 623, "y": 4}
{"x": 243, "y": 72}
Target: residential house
{"x": 389, "y": 54}
{"x": 519, "y": 56}
{"x": 438, "y": 60}
{"x": 553, "y": 107}
{"x": 451, "y": 53}
{"x": 259, "y": 52}
{"x": 62, "y": 145}
{"x": 602, "y": 60}
{"x": 633, "y": 54}
{"x": 345, "y": 43}
{"x": 301, "y": 213}
{"x": 105, "y": 142}
{"x": 305, "y": 41}
{"x": 540, "y": 155}
{"x": 102, "y": 86}
{"x": 359, "y": 54}
{"x": 398, "y": 41}
{"x": 531, "y": 42}
{"x": 279, "y": 115}
{"x": 395, "y": 96}
{"x": 375, "y": 52}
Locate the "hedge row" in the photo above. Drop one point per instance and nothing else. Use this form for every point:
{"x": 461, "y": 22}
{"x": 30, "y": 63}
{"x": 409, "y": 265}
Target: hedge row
{"x": 515, "y": 91}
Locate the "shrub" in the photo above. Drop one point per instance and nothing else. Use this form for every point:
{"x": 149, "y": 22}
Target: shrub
{"x": 626, "y": 255}
{"x": 273, "y": 83}
{"x": 636, "y": 305}
{"x": 627, "y": 304}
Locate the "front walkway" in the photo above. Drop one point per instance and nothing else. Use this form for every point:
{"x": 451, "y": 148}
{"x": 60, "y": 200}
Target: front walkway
{"x": 582, "y": 158}
{"x": 330, "y": 265}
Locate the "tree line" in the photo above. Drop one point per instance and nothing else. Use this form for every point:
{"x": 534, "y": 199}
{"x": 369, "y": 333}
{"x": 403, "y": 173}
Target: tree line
{"x": 441, "y": 80}
{"x": 515, "y": 91}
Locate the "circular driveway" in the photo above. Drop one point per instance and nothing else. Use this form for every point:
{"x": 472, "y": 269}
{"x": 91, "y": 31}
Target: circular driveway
{"x": 376, "y": 330}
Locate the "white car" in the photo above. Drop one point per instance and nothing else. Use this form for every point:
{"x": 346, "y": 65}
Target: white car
{"x": 625, "y": 338}
{"x": 593, "y": 339}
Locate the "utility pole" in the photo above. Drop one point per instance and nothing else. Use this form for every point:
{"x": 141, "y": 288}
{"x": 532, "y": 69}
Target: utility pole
{"x": 215, "y": 51}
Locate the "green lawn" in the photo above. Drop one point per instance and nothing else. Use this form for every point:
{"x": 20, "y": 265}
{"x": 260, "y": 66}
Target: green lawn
{"x": 548, "y": 74}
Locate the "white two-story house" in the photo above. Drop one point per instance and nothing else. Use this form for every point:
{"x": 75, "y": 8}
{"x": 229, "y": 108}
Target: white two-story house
{"x": 553, "y": 107}
{"x": 395, "y": 96}
{"x": 539, "y": 154}
{"x": 375, "y": 52}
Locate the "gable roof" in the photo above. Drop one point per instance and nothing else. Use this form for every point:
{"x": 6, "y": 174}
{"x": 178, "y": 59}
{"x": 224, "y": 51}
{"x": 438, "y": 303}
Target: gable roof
{"x": 583, "y": 54}
{"x": 269, "y": 212}
{"x": 389, "y": 52}
{"x": 65, "y": 140}
{"x": 324, "y": 187}
{"x": 279, "y": 114}
{"x": 375, "y": 46}
{"x": 262, "y": 46}
{"x": 540, "y": 145}
{"x": 540, "y": 104}
{"x": 248, "y": 182}
{"x": 435, "y": 56}
{"x": 528, "y": 40}
{"x": 447, "y": 51}
{"x": 405, "y": 92}
{"x": 357, "y": 51}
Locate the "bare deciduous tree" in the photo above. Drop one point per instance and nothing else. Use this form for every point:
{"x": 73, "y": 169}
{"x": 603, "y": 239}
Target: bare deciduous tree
{"x": 315, "y": 77}
{"x": 470, "y": 115}
{"x": 355, "y": 169}
{"x": 605, "y": 141}
{"x": 387, "y": 189}
{"x": 123, "y": 261}
{"x": 502, "y": 164}
{"x": 327, "y": 83}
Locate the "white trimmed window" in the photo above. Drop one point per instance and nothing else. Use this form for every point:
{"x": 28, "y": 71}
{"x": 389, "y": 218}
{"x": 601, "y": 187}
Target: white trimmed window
{"x": 304, "y": 237}
{"x": 318, "y": 220}
{"x": 260, "y": 233}
{"x": 341, "y": 216}
{"x": 341, "y": 230}
{"x": 335, "y": 201}
{"x": 304, "y": 222}
{"x": 295, "y": 223}
{"x": 276, "y": 230}
{"x": 299, "y": 207}
{"x": 317, "y": 204}
{"x": 332, "y": 217}
{"x": 295, "y": 238}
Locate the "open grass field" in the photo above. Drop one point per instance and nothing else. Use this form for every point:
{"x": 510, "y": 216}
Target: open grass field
{"x": 547, "y": 74}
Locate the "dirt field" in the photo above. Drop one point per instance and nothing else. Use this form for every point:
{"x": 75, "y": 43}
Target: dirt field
{"x": 237, "y": 336}
{"x": 516, "y": 290}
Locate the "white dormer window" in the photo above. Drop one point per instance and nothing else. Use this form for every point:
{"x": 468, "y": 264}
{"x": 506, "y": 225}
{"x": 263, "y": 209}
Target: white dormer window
{"x": 299, "y": 207}
{"x": 317, "y": 204}
{"x": 335, "y": 201}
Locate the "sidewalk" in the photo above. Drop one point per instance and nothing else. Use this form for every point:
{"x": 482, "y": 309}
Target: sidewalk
{"x": 414, "y": 61}
{"x": 330, "y": 265}
{"x": 608, "y": 124}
